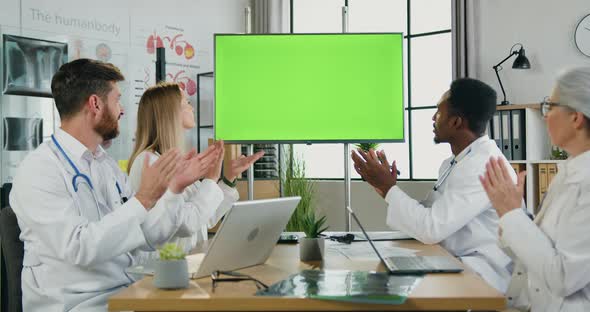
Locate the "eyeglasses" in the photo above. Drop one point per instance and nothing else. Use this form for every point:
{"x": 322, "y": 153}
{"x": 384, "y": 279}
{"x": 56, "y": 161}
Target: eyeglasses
{"x": 234, "y": 277}
{"x": 546, "y": 106}
{"x": 345, "y": 239}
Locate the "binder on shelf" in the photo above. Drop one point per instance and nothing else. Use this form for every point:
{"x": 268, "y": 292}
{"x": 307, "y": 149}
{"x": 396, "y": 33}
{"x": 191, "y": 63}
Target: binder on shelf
{"x": 518, "y": 167}
{"x": 518, "y": 136}
{"x": 495, "y": 129}
{"x": 551, "y": 172}
{"x": 542, "y": 181}
{"x": 506, "y": 135}
{"x": 515, "y": 167}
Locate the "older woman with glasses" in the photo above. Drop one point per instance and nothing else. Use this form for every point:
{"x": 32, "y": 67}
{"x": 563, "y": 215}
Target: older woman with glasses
{"x": 552, "y": 252}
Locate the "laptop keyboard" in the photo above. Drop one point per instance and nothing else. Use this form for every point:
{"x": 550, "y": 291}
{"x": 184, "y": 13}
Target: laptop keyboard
{"x": 406, "y": 263}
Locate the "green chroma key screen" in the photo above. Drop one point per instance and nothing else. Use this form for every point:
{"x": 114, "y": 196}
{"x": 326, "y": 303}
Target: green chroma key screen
{"x": 310, "y": 88}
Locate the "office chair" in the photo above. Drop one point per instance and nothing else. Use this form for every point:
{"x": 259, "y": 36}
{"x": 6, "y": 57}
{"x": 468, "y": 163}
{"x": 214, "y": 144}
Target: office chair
{"x": 5, "y": 194}
{"x": 12, "y": 252}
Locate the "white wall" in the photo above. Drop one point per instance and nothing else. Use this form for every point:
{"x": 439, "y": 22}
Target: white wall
{"x": 545, "y": 28}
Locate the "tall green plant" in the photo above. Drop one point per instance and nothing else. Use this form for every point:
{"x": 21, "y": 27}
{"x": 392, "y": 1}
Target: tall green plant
{"x": 295, "y": 184}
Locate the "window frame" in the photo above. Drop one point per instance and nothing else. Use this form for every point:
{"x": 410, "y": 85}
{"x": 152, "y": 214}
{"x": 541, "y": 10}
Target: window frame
{"x": 408, "y": 84}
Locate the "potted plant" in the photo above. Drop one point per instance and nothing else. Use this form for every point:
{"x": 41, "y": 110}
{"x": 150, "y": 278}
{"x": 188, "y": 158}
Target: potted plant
{"x": 367, "y": 146}
{"x": 294, "y": 183}
{"x": 171, "y": 269}
{"x": 311, "y": 247}
{"x": 558, "y": 153}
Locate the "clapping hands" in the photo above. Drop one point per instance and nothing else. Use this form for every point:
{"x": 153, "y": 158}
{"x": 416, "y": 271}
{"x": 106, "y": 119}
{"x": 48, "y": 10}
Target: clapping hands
{"x": 208, "y": 165}
{"x": 374, "y": 168}
{"x": 503, "y": 193}
{"x": 195, "y": 166}
{"x": 239, "y": 165}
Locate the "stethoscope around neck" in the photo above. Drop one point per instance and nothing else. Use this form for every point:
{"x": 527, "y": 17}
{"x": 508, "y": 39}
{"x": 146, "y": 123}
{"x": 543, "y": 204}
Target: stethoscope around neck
{"x": 444, "y": 176}
{"x": 77, "y": 173}
{"x": 79, "y": 176}
{"x": 447, "y": 172}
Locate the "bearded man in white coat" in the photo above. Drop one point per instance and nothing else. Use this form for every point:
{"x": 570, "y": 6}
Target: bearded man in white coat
{"x": 79, "y": 220}
{"x": 457, "y": 213}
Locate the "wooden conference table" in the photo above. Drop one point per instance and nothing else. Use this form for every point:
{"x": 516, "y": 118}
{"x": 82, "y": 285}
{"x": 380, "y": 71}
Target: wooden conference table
{"x": 436, "y": 292}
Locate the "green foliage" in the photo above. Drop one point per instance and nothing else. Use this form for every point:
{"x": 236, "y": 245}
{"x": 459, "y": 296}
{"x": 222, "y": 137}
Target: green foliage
{"x": 312, "y": 227}
{"x": 295, "y": 184}
{"x": 171, "y": 251}
{"x": 558, "y": 153}
{"x": 366, "y": 146}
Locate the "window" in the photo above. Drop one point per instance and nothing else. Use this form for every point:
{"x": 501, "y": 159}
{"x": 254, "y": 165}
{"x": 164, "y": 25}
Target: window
{"x": 427, "y": 70}
{"x": 312, "y": 16}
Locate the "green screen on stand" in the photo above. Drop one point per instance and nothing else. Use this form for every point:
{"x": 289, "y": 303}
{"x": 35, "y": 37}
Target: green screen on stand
{"x": 309, "y": 88}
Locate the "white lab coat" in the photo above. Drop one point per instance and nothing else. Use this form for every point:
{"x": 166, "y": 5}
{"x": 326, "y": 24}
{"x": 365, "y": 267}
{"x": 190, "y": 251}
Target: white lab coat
{"x": 552, "y": 254}
{"x": 201, "y": 196}
{"x": 458, "y": 215}
{"x": 75, "y": 252}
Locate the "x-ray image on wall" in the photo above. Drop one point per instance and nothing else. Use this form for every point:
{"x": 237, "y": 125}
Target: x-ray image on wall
{"x": 29, "y": 65}
{"x": 22, "y": 134}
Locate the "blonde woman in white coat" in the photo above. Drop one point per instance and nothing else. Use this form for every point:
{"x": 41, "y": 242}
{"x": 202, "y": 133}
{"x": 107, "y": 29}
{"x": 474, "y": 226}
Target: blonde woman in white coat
{"x": 163, "y": 116}
{"x": 552, "y": 252}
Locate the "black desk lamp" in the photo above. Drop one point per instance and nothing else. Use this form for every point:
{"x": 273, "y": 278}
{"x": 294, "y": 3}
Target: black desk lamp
{"x": 521, "y": 62}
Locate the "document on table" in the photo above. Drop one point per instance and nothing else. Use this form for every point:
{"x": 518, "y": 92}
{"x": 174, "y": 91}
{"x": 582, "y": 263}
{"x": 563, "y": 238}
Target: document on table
{"x": 363, "y": 251}
{"x": 347, "y": 286}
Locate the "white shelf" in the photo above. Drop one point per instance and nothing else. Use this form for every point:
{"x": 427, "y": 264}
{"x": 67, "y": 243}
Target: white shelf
{"x": 547, "y": 161}
{"x": 538, "y": 151}
{"x": 519, "y": 106}
{"x": 541, "y": 161}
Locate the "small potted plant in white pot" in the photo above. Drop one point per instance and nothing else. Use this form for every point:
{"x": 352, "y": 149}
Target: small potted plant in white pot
{"x": 171, "y": 269}
{"x": 311, "y": 247}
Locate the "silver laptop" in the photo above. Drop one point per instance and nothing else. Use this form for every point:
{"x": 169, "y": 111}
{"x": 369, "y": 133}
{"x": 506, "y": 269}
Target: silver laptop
{"x": 248, "y": 234}
{"x": 412, "y": 265}
{"x": 246, "y": 237}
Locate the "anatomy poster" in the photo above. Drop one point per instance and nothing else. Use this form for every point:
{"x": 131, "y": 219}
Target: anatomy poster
{"x": 184, "y": 51}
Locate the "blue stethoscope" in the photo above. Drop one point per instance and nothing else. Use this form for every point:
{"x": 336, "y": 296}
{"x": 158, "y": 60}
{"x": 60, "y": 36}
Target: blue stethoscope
{"x": 79, "y": 175}
{"x": 85, "y": 178}
{"x": 447, "y": 172}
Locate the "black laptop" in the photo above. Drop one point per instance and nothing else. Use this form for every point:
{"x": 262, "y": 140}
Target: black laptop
{"x": 413, "y": 265}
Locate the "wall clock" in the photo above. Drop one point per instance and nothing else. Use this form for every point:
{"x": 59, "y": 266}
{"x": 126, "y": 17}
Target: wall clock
{"x": 582, "y": 35}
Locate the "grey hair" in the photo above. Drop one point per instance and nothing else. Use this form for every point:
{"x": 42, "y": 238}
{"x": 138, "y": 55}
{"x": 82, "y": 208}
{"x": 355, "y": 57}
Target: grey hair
{"x": 574, "y": 89}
